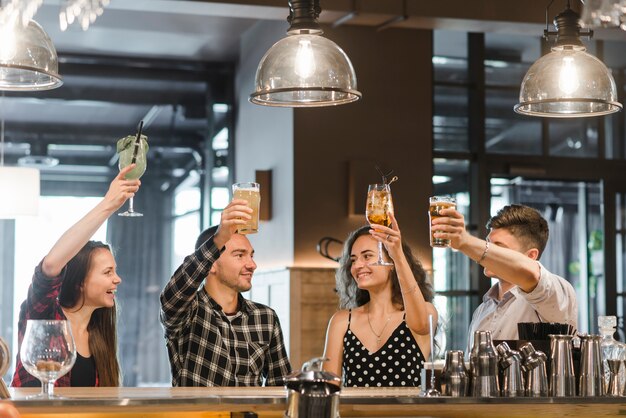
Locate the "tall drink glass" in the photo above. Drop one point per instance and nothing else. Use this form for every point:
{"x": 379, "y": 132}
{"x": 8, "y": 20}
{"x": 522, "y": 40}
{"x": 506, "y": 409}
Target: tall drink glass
{"x": 249, "y": 192}
{"x": 377, "y": 209}
{"x": 132, "y": 150}
{"x": 438, "y": 203}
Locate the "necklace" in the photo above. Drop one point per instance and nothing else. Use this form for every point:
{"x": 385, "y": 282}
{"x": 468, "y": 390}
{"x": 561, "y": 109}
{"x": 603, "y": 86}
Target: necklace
{"x": 372, "y": 328}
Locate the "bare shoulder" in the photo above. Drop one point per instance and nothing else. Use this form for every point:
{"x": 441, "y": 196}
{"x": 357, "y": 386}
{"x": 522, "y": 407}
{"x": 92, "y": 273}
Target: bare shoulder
{"x": 339, "y": 319}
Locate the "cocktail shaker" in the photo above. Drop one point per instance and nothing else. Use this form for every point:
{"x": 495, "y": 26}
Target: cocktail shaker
{"x": 484, "y": 366}
{"x": 511, "y": 371}
{"x": 454, "y": 377}
{"x": 613, "y": 388}
{"x": 562, "y": 378}
{"x": 534, "y": 367}
{"x": 591, "y": 372}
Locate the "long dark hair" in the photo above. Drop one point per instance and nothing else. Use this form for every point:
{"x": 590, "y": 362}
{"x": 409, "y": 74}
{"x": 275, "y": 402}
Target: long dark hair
{"x": 350, "y": 296}
{"x": 103, "y": 321}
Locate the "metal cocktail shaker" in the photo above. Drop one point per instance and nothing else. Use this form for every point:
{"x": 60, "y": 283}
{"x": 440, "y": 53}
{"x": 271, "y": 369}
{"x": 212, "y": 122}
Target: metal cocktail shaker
{"x": 511, "y": 371}
{"x": 534, "y": 367}
{"x": 454, "y": 377}
{"x": 614, "y": 386}
{"x": 591, "y": 371}
{"x": 562, "y": 378}
{"x": 484, "y": 366}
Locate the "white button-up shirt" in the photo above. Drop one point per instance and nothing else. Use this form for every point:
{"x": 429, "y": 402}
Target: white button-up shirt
{"x": 553, "y": 300}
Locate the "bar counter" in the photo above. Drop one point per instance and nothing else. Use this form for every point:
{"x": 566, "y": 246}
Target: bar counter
{"x": 271, "y": 402}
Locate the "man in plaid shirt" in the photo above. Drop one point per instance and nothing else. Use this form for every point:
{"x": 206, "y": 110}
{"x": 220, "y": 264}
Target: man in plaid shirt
{"x": 214, "y": 336}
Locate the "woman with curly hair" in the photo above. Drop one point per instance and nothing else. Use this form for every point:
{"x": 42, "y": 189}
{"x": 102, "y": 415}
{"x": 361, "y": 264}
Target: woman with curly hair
{"x": 381, "y": 335}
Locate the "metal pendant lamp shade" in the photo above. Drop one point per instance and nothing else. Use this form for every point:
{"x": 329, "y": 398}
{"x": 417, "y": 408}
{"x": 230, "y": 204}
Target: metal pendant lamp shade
{"x": 305, "y": 69}
{"x": 28, "y": 59}
{"x": 568, "y": 82}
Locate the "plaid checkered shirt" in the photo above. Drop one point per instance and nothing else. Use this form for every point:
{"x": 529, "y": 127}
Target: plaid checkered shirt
{"x": 205, "y": 347}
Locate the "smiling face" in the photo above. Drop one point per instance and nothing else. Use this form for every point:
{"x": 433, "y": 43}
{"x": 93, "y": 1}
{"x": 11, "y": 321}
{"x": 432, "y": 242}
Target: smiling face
{"x": 365, "y": 251}
{"x": 101, "y": 280}
{"x": 234, "y": 268}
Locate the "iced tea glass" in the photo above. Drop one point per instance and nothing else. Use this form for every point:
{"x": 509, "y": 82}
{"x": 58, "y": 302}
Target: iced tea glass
{"x": 135, "y": 154}
{"x": 377, "y": 209}
{"x": 438, "y": 203}
{"x": 249, "y": 192}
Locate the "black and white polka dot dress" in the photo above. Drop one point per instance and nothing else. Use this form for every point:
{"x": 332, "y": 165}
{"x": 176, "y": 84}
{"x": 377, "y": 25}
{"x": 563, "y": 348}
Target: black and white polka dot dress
{"x": 398, "y": 362}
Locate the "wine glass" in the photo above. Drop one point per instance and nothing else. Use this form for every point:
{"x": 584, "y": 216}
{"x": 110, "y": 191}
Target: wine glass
{"x": 377, "y": 210}
{"x": 134, "y": 154}
{"x": 48, "y": 352}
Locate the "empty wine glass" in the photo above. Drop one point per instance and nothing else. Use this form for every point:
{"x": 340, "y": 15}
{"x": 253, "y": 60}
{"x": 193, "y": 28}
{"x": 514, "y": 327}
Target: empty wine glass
{"x": 48, "y": 352}
{"x": 134, "y": 153}
{"x": 377, "y": 209}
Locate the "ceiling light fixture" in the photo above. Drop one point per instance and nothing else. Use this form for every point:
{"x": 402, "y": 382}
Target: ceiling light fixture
{"x": 567, "y": 82}
{"x": 28, "y": 59}
{"x": 304, "y": 69}
{"x": 604, "y": 13}
{"x": 84, "y": 12}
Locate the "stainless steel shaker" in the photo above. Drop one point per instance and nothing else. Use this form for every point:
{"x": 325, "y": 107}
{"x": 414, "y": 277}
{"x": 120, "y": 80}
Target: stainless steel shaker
{"x": 454, "y": 376}
{"x": 562, "y": 378}
{"x": 312, "y": 392}
{"x": 512, "y": 384}
{"x": 484, "y": 366}
{"x": 534, "y": 368}
{"x": 591, "y": 370}
{"x": 613, "y": 388}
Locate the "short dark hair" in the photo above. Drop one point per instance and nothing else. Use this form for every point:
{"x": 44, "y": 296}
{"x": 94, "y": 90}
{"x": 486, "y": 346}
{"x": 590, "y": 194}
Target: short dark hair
{"x": 205, "y": 235}
{"x": 523, "y": 222}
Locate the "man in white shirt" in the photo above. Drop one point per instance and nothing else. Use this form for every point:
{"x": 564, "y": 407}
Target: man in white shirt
{"x": 526, "y": 291}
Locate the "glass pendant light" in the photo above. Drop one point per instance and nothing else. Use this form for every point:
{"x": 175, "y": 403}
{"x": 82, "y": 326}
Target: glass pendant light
{"x": 568, "y": 82}
{"x": 305, "y": 69}
{"x": 28, "y": 59}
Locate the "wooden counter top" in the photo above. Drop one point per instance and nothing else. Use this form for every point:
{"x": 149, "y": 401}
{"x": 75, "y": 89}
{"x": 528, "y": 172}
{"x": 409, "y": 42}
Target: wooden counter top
{"x": 271, "y": 402}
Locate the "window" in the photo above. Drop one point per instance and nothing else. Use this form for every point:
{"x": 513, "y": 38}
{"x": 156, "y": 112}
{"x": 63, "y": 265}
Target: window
{"x": 186, "y": 225}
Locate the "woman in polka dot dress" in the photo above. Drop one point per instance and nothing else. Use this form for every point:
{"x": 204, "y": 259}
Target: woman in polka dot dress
{"x": 381, "y": 335}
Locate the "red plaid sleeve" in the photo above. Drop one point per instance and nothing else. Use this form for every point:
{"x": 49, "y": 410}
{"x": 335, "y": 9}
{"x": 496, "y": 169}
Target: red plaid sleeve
{"x": 41, "y": 303}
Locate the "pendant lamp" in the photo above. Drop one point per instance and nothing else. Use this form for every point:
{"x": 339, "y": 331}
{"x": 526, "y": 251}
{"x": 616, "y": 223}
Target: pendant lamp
{"x": 28, "y": 59}
{"x": 304, "y": 69}
{"x": 568, "y": 82}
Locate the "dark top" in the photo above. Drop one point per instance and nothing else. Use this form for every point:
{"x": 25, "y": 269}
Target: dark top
{"x": 41, "y": 303}
{"x": 205, "y": 347}
{"x": 83, "y": 372}
{"x": 398, "y": 362}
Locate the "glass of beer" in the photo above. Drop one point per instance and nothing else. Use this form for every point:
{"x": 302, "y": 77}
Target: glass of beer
{"x": 377, "y": 209}
{"x": 438, "y": 203}
{"x": 249, "y": 192}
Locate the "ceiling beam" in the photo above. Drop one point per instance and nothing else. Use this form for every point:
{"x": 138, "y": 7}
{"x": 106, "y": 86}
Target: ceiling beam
{"x": 508, "y": 16}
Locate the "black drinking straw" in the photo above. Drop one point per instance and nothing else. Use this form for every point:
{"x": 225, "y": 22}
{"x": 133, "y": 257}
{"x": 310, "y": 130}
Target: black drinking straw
{"x": 136, "y": 150}
{"x": 382, "y": 174}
